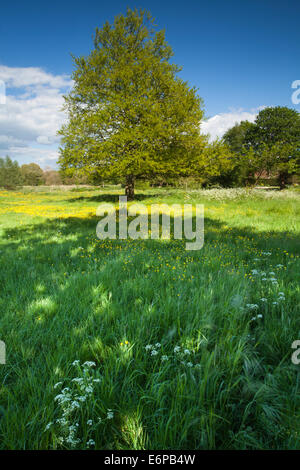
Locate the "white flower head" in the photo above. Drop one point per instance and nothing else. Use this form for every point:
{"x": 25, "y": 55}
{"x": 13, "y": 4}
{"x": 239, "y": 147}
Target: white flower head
{"x": 57, "y": 384}
{"x": 89, "y": 364}
{"x": 48, "y": 426}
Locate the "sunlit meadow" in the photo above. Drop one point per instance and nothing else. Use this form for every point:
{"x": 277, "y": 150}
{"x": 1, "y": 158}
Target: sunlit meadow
{"x": 123, "y": 344}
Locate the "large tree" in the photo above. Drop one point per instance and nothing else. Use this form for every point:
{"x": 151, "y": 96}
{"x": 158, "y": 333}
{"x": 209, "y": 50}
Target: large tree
{"x": 130, "y": 115}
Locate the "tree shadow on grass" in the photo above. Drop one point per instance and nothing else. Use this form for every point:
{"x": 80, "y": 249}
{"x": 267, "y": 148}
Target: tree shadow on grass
{"x": 113, "y": 198}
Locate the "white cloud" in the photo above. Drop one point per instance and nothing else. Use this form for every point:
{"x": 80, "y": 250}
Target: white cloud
{"x": 217, "y": 125}
{"x": 32, "y": 114}
{"x": 19, "y": 77}
{"x": 38, "y": 155}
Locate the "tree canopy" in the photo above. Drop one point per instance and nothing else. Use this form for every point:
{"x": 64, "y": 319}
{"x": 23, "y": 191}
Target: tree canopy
{"x": 271, "y": 144}
{"x": 130, "y": 115}
{"x": 275, "y": 125}
{"x": 235, "y": 137}
{"x": 32, "y": 174}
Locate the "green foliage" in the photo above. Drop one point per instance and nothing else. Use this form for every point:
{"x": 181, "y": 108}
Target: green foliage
{"x": 235, "y": 137}
{"x": 216, "y": 158}
{"x": 130, "y": 116}
{"x": 10, "y": 175}
{"x": 270, "y": 146}
{"x": 275, "y": 139}
{"x": 52, "y": 177}
{"x": 216, "y": 163}
{"x": 275, "y": 125}
{"x": 75, "y": 177}
{"x": 32, "y": 174}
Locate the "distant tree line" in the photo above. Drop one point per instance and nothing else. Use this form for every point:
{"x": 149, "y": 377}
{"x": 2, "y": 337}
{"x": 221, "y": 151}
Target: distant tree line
{"x": 12, "y": 175}
{"x": 267, "y": 150}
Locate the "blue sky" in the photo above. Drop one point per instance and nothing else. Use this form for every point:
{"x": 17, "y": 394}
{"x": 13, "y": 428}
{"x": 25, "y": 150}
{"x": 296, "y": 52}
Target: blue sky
{"x": 240, "y": 54}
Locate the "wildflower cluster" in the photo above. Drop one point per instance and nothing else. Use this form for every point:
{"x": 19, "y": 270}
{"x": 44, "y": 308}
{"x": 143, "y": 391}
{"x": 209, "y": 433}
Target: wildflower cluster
{"x": 73, "y": 425}
{"x": 265, "y": 276}
{"x": 179, "y": 355}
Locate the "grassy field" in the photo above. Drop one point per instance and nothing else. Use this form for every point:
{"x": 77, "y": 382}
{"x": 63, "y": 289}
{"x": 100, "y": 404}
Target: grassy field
{"x": 144, "y": 345}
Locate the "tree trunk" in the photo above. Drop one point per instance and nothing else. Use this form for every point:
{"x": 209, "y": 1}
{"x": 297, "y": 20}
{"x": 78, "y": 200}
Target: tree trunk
{"x": 129, "y": 187}
{"x": 283, "y": 178}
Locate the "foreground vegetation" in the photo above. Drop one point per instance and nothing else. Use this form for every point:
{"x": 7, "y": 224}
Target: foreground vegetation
{"x": 169, "y": 349}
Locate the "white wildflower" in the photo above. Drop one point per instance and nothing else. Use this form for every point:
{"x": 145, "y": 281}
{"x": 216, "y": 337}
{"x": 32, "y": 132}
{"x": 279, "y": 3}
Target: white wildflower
{"x": 89, "y": 364}
{"x": 48, "y": 426}
{"x": 252, "y": 306}
{"x": 57, "y": 384}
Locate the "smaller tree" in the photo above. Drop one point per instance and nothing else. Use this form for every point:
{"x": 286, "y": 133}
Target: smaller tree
{"x": 32, "y": 174}
{"x": 275, "y": 138}
{"x": 10, "y": 175}
{"x": 235, "y": 137}
{"x": 215, "y": 161}
{"x": 52, "y": 178}
{"x": 285, "y": 159}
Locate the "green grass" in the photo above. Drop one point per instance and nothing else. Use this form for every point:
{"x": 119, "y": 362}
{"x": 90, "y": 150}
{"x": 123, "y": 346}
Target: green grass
{"x": 66, "y": 296}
